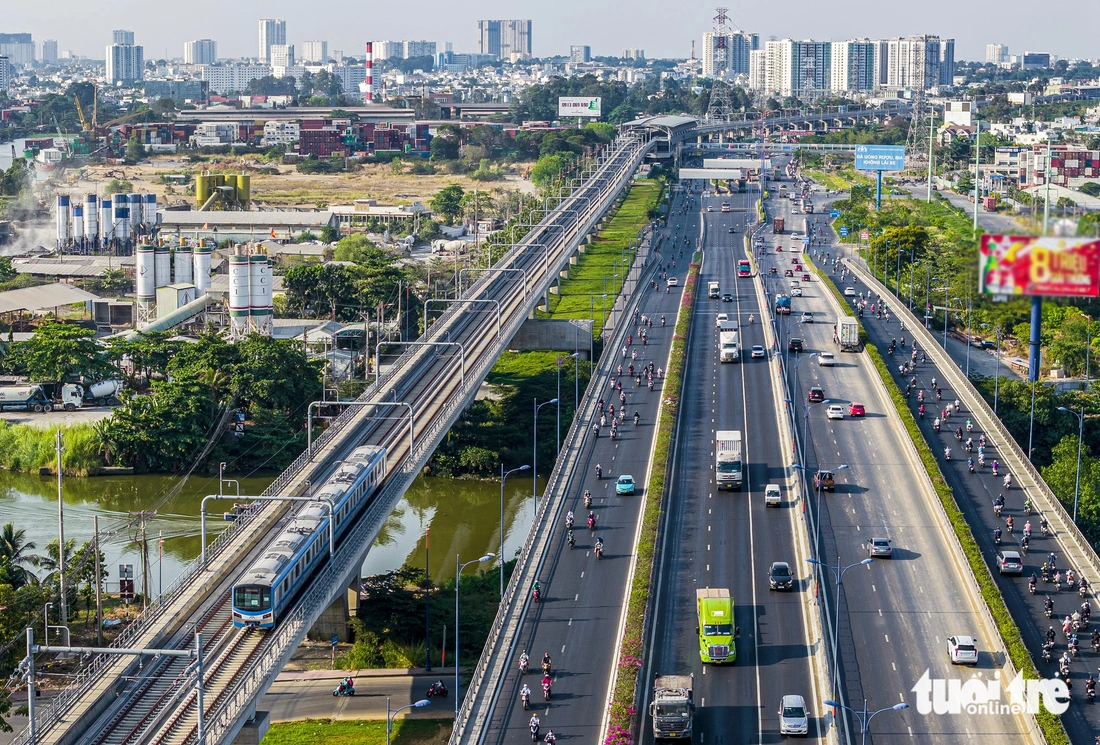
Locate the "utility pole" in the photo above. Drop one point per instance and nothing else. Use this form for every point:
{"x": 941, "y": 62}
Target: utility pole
{"x": 61, "y": 538}
{"x": 144, "y": 517}
{"x": 98, "y": 583}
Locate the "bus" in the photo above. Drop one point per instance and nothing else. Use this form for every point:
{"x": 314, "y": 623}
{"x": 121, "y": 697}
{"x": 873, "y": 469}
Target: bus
{"x": 744, "y": 268}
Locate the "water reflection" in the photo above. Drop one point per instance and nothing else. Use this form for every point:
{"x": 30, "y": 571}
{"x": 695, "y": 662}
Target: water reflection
{"x": 461, "y": 517}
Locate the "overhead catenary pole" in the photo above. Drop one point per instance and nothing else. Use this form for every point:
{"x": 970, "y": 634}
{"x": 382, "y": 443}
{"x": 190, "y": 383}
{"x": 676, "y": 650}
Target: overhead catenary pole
{"x": 63, "y": 606}
{"x": 98, "y": 583}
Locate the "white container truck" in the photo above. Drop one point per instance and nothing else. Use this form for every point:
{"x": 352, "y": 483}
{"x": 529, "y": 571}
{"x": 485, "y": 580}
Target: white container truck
{"x": 672, "y": 707}
{"x": 729, "y": 348}
{"x": 848, "y": 334}
{"x": 728, "y": 468}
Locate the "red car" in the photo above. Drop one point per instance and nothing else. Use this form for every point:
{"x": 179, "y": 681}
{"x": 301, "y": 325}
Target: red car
{"x": 773, "y": 270}
{"x": 798, "y": 267}
{"x": 857, "y": 409}
{"x": 805, "y": 277}
{"x": 778, "y": 249}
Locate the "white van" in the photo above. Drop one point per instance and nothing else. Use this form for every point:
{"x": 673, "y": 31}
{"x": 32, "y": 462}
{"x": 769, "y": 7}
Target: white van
{"x": 772, "y": 496}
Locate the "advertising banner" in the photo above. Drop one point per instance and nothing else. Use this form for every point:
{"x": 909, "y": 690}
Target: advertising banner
{"x": 1039, "y": 265}
{"x": 579, "y": 106}
{"x": 880, "y": 158}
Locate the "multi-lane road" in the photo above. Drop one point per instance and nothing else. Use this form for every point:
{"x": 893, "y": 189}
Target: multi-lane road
{"x": 895, "y": 615}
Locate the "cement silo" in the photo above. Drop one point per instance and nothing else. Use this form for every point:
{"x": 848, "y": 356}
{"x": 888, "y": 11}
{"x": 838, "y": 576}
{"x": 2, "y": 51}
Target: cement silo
{"x": 145, "y": 269}
{"x": 106, "y": 222}
{"x": 121, "y": 218}
{"x": 134, "y": 203}
{"x": 261, "y": 310}
{"x": 239, "y": 294}
{"x": 204, "y": 186}
{"x": 162, "y": 264}
{"x": 78, "y": 223}
{"x": 244, "y": 190}
{"x": 63, "y": 218}
{"x": 184, "y": 259}
{"x": 91, "y": 220}
{"x": 202, "y": 270}
{"x": 149, "y": 210}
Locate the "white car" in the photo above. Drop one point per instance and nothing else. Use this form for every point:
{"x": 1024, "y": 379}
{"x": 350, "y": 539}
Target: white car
{"x": 792, "y": 716}
{"x": 796, "y": 292}
{"x": 722, "y": 318}
{"x": 673, "y": 282}
{"x": 849, "y": 292}
{"x": 825, "y": 359}
{"x": 963, "y": 650}
{"x": 835, "y": 412}
{"x": 758, "y": 351}
{"x": 772, "y": 496}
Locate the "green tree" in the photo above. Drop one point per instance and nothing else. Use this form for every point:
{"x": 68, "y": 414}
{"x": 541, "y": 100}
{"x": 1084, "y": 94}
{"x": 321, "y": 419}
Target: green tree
{"x": 327, "y": 288}
{"x": 622, "y": 113}
{"x": 16, "y": 556}
{"x": 135, "y": 151}
{"x": 547, "y": 169}
{"x": 114, "y": 186}
{"x": 59, "y": 352}
{"x": 1061, "y": 477}
{"x": 1091, "y": 188}
{"x": 7, "y": 271}
{"x": 448, "y": 202}
{"x": 329, "y": 234}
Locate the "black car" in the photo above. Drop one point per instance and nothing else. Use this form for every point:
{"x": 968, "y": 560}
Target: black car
{"x": 816, "y": 394}
{"x": 794, "y": 345}
{"x": 727, "y": 297}
{"x": 779, "y": 576}
{"x": 732, "y": 230}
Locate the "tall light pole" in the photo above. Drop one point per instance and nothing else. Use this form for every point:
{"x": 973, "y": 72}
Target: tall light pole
{"x": 1080, "y": 438}
{"x": 864, "y": 717}
{"x": 969, "y": 315}
{"x": 838, "y": 572}
{"x": 458, "y": 578}
{"x": 946, "y": 307}
{"x": 389, "y": 717}
{"x": 504, "y": 477}
{"x": 817, "y": 509}
{"x": 535, "y": 453}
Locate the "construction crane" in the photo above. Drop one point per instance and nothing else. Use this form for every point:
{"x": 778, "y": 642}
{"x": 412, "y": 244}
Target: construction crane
{"x": 84, "y": 124}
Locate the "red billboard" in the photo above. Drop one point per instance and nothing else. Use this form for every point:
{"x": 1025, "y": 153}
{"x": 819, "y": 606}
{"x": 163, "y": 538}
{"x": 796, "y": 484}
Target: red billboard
{"x": 1040, "y": 265}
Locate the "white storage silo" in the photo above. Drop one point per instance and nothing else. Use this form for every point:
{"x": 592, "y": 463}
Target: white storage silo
{"x": 133, "y": 201}
{"x": 106, "y": 221}
{"x": 149, "y": 210}
{"x": 91, "y": 219}
{"x": 122, "y": 220}
{"x": 78, "y": 222}
{"x": 183, "y": 264}
{"x": 145, "y": 269}
{"x": 202, "y": 270}
{"x": 261, "y": 309}
{"x": 239, "y": 294}
{"x": 62, "y": 220}
{"x": 163, "y": 264}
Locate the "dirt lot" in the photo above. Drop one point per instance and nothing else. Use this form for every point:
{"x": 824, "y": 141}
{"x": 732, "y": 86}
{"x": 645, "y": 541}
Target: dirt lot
{"x": 289, "y": 188}
{"x": 57, "y": 418}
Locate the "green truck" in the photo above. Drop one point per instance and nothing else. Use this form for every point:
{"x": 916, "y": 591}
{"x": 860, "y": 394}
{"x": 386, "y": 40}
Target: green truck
{"x": 716, "y": 629}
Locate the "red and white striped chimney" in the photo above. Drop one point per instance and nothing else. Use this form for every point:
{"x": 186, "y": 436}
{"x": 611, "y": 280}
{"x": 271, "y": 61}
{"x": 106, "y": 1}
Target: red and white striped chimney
{"x": 368, "y": 89}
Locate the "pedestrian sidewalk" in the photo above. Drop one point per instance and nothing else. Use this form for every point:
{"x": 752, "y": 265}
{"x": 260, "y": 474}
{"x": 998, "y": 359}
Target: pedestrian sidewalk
{"x": 414, "y": 672}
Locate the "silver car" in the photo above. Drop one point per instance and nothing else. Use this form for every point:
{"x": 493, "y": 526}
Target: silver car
{"x": 793, "y": 719}
{"x": 880, "y": 548}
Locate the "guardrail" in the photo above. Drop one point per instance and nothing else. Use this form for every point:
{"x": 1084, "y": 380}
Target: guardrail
{"x": 1008, "y": 448}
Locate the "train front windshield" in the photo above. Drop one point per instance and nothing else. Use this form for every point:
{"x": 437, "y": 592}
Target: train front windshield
{"x": 252, "y": 598}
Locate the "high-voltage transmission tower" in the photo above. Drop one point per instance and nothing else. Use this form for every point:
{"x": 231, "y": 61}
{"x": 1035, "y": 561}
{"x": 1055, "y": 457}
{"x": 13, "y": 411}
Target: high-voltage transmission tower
{"x": 721, "y": 103}
{"x": 916, "y": 143}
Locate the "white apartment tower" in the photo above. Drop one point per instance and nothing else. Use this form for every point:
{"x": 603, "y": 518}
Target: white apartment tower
{"x": 272, "y": 31}
{"x": 919, "y": 62}
{"x": 121, "y": 36}
{"x": 125, "y": 63}
{"x": 315, "y": 51}
{"x": 5, "y": 73}
{"x": 200, "y": 52}
{"x": 996, "y": 54}
{"x": 49, "y": 52}
{"x": 798, "y": 68}
{"x": 852, "y": 65}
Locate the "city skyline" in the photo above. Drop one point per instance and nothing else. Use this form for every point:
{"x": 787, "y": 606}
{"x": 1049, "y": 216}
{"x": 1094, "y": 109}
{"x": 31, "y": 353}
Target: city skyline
{"x": 605, "y": 29}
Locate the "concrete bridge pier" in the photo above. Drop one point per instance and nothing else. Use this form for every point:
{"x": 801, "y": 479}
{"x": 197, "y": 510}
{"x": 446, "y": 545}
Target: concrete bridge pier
{"x": 333, "y": 621}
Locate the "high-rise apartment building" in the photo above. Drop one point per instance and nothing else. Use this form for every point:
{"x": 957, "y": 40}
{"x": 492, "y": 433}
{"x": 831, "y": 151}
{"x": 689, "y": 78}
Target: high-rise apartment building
{"x": 919, "y": 62}
{"x": 505, "y": 39}
{"x": 18, "y": 48}
{"x": 384, "y": 50}
{"x": 411, "y": 49}
{"x": 633, "y": 54}
{"x": 579, "y": 54}
{"x": 996, "y": 54}
{"x": 5, "y": 73}
{"x": 48, "y": 54}
{"x": 281, "y": 55}
{"x": 315, "y": 51}
{"x": 798, "y": 68}
{"x": 272, "y": 31}
{"x": 200, "y": 52}
{"x": 125, "y": 63}
{"x": 727, "y": 54}
{"x": 852, "y": 65}
{"x": 758, "y": 69}
{"x": 122, "y": 36}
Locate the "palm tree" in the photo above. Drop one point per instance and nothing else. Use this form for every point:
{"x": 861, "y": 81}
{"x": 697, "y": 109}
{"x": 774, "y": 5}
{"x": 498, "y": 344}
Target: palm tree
{"x": 50, "y": 561}
{"x": 15, "y": 552}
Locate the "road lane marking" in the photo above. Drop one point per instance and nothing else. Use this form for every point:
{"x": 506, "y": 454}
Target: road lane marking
{"x": 887, "y": 638}
{"x": 575, "y": 597}
{"x": 582, "y": 577}
{"x": 570, "y": 622}
{"x": 873, "y": 588}
{"x": 563, "y": 649}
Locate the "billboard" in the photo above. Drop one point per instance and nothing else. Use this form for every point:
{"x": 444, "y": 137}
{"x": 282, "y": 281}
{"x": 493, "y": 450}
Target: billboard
{"x": 1039, "y": 265}
{"x": 579, "y": 106}
{"x": 880, "y": 157}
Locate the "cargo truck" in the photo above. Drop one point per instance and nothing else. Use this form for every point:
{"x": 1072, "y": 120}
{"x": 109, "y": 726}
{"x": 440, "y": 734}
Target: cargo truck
{"x": 28, "y": 397}
{"x": 716, "y": 630}
{"x": 729, "y": 348}
{"x": 848, "y": 334}
{"x": 777, "y": 225}
{"x": 783, "y": 304}
{"x": 712, "y": 289}
{"x": 728, "y": 471}
{"x": 672, "y": 707}
{"x": 71, "y": 396}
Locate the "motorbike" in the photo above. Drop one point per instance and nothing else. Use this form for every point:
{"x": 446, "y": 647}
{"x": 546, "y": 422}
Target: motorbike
{"x": 599, "y": 473}
{"x": 546, "y": 668}
{"x": 1046, "y": 651}
{"x": 546, "y": 691}
{"x": 1031, "y": 585}
{"x": 599, "y": 549}
{"x": 1048, "y": 608}
{"x": 570, "y": 539}
{"x": 436, "y": 689}
{"x": 524, "y": 664}
{"x": 591, "y": 522}
{"x": 970, "y": 465}
{"x": 636, "y": 417}
{"x": 997, "y": 537}
{"x": 936, "y": 425}
{"x": 344, "y": 689}
{"x": 587, "y": 499}
{"x": 1082, "y": 590}
{"x": 534, "y": 732}
{"x": 526, "y": 698}
{"x": 569, "y": 522}
{"x": 536, "y": 594}
{"x": 947, "y": 454}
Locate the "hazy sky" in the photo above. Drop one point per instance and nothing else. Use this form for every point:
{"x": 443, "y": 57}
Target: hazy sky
{"x": 663, "y": 28}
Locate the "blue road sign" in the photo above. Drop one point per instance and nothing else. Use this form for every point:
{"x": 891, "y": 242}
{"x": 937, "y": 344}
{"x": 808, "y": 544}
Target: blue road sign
{"x": 335, "y": 640}
{"x": 880, "y": 157}
{"x": 834, "y": 214}
{"x": 844, "y": 232}
{"x": 805, "y": 240}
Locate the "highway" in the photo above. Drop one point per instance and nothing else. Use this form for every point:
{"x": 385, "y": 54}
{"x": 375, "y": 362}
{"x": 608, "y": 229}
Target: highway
{"x": 578, "y": 620}
{"x": 729, "y": 539}
{"x": 158, "y": 706}
{"x": 895, "y": 615}
{"x": 974, "y": 494}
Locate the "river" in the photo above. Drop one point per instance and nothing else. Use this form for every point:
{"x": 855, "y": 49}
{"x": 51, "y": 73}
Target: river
{"x": 460, "y": 517}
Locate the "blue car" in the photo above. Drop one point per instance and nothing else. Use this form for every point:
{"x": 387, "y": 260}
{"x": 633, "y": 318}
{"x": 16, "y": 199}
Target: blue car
{"x": 625, "y": 485}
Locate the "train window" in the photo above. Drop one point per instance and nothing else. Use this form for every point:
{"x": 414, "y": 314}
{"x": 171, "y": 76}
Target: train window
{"x": 246, "y": 597}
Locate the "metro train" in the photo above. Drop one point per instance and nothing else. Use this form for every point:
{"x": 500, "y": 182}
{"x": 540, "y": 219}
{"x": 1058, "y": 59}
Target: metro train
{"x": 270, "y": 585}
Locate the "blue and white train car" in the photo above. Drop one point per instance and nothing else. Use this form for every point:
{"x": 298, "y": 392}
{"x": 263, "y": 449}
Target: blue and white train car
{"x": 270, "y": 585}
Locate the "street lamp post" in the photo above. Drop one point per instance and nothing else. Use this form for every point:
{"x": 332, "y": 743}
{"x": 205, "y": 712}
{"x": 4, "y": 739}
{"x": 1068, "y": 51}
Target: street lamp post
{"x": 838, "y": 572}
{"x": 535, "y": 453}
{"x": 504, "y": 477}
{"x": 946, "y": 308}
{"x": 458, "y": 577}
{"x": 864, "y": 717}
{"x": 389, "y": 717}
{"x": 1080, "y": 438}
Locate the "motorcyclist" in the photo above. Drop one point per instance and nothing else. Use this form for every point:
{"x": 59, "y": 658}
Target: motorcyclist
{"x": 550, "y": 738}
{"x": 1031, "y": 583}
{"x": 1051, "y": 634}
{"x": 599, "y": 545}
{"x": 637, "y": 418}
{"x": 525, "y": 695}
{"x": 547, "y": 663}
{"x": 534, "y": 724}
{"x": 570, "y": 539}
{"x": 536, "y": 589}
{"x": 591, "y": 520}
{"x": 1048, "y": 607}
{"x": 1027, "y": 529}
{"x": 524, "y": 661}
{"x": 959, "y": 434}
{"x": 587, "y": 498}
{"x": 997, "y": 536}
{"x": 547, "y": 683}
{"x": 569, "y": 520}
{"x": 1009, "y": 522}
{"x": 599, "y": 472}
{"x": 947, "y": 453}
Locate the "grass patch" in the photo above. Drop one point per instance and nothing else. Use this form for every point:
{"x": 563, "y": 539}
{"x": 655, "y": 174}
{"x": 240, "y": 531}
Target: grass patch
{"x": 631, "y": 647}
{"x": 26, "y": 448}
{"x": 1050, "y": 724}
{"x": 359, "y": 732}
